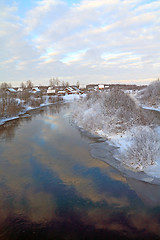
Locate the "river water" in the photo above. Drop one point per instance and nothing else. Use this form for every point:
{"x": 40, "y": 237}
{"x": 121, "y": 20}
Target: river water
{"x": 51, "y": 187}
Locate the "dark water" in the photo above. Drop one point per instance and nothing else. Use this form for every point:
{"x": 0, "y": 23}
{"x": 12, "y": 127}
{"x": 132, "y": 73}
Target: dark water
{"x": 51, "y": 188}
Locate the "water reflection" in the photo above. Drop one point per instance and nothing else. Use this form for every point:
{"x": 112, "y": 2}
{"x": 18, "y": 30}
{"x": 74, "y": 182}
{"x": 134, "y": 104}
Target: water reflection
{"x": 7, "y": 131}
{"x": 149, "y": 193}
{"x": 49, "y": 183}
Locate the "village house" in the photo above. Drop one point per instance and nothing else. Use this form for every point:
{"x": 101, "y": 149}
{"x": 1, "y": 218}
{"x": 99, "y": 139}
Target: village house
{"x": 51, "y": 91}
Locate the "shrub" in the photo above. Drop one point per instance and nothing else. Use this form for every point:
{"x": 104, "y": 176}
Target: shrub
{"x": 10, "y": 107}
{"x": 151, "y": 94}
{"x": 144, "y": 149}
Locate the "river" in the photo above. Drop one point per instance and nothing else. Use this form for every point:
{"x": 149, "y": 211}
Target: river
{"x": 52, "y": 188}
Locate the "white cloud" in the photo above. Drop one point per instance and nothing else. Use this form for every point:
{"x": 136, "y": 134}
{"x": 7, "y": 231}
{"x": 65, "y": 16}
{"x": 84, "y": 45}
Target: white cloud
{"x": 44, "y": 10}
{"x": 90, "y": 40}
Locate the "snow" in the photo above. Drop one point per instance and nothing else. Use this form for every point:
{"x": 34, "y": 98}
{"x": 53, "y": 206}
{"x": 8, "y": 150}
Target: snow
{"x": 66, "y": 98}
{"x": 12, "y": 90}
{"x": 150, "y": 108}
{"x": 27, "y": 108}
{"x": 4, "y": 120}
{"x": 36, "y": 90}
{"x": 50, "y": 90}
{"x": 71, "y": 97}
{"x": 138, "y": 145}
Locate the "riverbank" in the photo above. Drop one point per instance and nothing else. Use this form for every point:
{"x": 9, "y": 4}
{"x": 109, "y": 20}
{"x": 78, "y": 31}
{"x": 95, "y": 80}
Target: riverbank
{"x": 108, "y": 150}
{"x": 105, "y": 151}
{"x": 132, "y": 131}
{"x": 66, "y": 98}
{"x": 24, "y": 113}
{"x": 150, "y": 108}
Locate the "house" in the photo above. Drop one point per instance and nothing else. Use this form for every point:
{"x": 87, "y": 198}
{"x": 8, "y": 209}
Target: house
{"x": 92, "y": 87}
{"x": 20, "y": 89}
{"x": 51, "y": 91}
{"x": 101, "y": 86}
{"x": 61, "y": 93}
{"x": 36, "y": 90}
{"x": 106, "y": 86}
{"x": 70, "y": 90}
{"x": 76, "y": 90}
{"x": 11, "y": 91}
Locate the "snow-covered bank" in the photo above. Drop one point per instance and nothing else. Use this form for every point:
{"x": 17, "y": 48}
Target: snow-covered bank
{"x": 4, "y": 120}
{"x": 126, "y": 126}
{"x": 105, "y": 151}
{"x": 27, "y": 108}
{"x": 150, "y": 108}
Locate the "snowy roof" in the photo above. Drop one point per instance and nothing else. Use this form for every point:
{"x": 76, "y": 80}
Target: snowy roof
{"x": 50, "y": 88}
{"x": 101, "y": 85}
{"x": 11, "y": 90}
{"x": 51, "y": 91}
{"x": 20, "y": 89}
{"x": 36, "y": 89}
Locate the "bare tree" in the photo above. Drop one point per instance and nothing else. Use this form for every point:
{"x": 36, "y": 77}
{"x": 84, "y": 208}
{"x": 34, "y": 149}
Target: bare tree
{"x": 29, "y": 84}
{"x": 5, "y": 85}
{"x": 67, "y": 84}
{"x": 52, "y": 82}
{"x": 77, "y": 84}
{"x": 22, "y": 85}
{"x": 57, "y": 82}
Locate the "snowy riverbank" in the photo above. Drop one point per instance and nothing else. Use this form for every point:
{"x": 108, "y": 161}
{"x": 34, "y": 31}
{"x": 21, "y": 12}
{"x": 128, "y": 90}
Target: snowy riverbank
{"x": 122, "y": 143}
{"x": 27, "y": 108}
{"x": 150, "y": 108}
{"x": 131, "y": 131}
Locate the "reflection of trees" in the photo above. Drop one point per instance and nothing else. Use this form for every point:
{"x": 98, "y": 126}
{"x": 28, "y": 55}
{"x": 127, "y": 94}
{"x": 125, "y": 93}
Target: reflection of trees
{"x": 7, "y": 131}
{"x": 149, "y": 193}
{"x": 56, "y": 108}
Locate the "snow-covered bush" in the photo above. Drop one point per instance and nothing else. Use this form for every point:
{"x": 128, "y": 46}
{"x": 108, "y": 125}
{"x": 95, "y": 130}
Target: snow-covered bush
{"x": 151, "y": 94}
{"x": 125, "y": 109}
{"x": 112, "y": 112}
{"x": 144, "y": 149}
{"x": 87, "y": 113}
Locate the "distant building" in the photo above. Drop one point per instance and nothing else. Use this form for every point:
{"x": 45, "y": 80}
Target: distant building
{"x": 61, "y": 93}
{"x": 36, "y": 90}
{"x": 101, "y": 86}
{"x": 70, "y": 90}
{"x": 106, "y": 86}
{"x": 20, "y": 89}
{"x": 51, "y": 91}
{"x": 11, "y": 90}
{"x": 92, "y": 87}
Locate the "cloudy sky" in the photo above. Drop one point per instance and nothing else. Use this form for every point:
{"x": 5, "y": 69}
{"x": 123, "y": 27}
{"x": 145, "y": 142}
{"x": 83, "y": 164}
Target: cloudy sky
{"x": 90, "y": 41}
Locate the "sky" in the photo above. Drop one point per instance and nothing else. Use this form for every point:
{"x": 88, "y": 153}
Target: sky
{"x": 90, "y": 41}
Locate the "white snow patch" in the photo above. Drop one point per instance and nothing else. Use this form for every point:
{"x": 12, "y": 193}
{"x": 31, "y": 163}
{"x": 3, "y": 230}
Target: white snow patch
{"x": 71, "y": 97}
{"x": 150, "y": 108}
{"x": 4, "y": 120}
